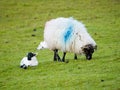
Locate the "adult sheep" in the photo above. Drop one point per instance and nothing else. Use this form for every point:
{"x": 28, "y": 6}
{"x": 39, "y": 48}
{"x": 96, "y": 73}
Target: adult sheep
{"x": 68, "y": 35}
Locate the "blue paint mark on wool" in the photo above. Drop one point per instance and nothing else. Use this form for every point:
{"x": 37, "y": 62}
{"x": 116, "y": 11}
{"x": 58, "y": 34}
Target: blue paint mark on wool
{"x": 68, "y": 33}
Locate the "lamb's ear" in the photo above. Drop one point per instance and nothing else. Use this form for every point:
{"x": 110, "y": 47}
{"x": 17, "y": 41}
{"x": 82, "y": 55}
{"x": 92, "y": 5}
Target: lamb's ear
{"x": 26, "y": 54}
{"x": 36, "y": 54}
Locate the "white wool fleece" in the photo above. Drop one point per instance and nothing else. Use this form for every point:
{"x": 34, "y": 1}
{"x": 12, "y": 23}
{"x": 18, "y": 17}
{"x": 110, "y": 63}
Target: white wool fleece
{"x": 67, "y": 35}
{"x": 32, "y": 62}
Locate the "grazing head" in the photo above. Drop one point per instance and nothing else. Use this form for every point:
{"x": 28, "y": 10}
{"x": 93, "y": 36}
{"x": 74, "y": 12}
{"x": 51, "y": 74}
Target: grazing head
{"x": 42, "y": 45}
{"x": 88, "y": 51}
{"x": 30, "y": 55}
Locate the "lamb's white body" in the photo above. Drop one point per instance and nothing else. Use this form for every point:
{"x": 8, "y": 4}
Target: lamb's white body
{"x": 67, "y": 35}
{"x": 32, "y": 62}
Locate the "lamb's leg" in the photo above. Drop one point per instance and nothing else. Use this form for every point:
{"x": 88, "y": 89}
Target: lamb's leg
{"x": 75, "y": 56}
{"x": 63, "y": 59}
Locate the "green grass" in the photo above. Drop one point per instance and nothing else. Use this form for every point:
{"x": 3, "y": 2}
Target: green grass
{"x": 19, "y": 18}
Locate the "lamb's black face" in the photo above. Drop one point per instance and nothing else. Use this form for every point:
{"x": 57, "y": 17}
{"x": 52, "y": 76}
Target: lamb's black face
{"x": 30, "y": 55}
{"x": 88, "y": 51}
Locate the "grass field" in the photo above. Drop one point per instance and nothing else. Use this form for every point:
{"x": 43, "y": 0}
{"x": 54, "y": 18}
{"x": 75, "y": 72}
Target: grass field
{"x": 21, "y": 29}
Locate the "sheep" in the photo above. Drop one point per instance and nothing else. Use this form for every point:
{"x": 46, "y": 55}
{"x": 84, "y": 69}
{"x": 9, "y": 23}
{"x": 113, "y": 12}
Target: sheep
{"x": 68, "y": 35}
{"x": 29, "y": 60}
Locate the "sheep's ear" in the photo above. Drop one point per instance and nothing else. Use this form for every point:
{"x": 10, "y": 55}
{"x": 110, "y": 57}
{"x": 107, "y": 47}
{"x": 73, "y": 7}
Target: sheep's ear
{"x": 83, "y": 48}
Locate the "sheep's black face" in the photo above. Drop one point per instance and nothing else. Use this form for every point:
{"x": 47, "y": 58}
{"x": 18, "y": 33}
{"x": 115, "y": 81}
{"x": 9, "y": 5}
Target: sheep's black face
{"x": 30, "y": 55}
{"x": 88, "y": 51}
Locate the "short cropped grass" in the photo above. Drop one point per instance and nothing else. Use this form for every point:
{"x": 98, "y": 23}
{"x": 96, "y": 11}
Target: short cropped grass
{"x": 21, "y": 29}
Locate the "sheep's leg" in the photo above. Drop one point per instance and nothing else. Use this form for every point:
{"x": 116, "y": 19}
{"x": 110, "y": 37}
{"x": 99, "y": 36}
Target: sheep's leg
{"x": 63, "y": 59}
{"x": 75, "y": 56}
{"x": 56, "y": 56}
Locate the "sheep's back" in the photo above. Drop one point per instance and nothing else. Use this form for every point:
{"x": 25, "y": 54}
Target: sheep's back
{"x": 55, "y": 33}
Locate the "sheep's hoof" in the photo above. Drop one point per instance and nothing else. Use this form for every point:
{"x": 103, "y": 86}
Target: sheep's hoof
{"x": 67, "y": 61}
{"x": 75, "y": 57}
{"x": 59, "y": 60}
{"x": 63, "y": 60}
{"x": 54, "y": 59}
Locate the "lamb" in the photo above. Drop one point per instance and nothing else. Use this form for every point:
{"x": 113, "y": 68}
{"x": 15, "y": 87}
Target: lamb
{"x": 68, "y": 35}
{"x": 29, "y": 60}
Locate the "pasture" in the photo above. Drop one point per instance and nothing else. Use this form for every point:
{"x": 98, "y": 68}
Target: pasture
{"x": 21, "y": 30}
